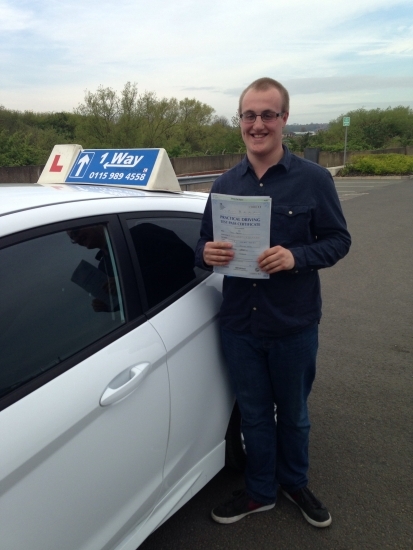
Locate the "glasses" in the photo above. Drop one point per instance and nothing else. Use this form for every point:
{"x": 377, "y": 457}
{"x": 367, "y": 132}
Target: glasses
{"x": 266, "y": 116}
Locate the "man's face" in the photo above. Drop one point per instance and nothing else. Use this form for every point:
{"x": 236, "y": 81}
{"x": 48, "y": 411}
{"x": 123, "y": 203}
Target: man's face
{"x": 263, "y": 138}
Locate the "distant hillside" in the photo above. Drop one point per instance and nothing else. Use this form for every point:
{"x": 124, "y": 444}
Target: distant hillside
{"x": 312, "y": 127}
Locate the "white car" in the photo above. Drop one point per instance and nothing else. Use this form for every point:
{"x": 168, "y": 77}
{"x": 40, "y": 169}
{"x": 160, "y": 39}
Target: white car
{"x": 114, "y": 397}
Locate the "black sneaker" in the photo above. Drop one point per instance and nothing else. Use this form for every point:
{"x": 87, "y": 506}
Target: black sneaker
{"x": 312, "y": 509}
{"x": 238, "y": 507}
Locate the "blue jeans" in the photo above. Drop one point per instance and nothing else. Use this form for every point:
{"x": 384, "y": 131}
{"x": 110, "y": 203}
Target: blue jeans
{"x": 264, "y": 372}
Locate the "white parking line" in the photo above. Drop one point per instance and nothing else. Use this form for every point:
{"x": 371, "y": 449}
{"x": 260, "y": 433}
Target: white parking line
{"x": 348, "y": 196}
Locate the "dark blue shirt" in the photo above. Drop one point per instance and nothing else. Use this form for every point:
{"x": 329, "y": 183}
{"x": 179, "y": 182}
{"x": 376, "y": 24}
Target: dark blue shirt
{"x": 306, "y": 218}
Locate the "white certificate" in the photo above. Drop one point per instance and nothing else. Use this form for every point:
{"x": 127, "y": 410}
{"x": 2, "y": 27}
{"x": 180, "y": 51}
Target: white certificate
{"x": 244, "y": 222}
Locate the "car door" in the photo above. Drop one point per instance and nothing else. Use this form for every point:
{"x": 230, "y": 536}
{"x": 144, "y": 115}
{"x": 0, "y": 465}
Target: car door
{"x": 184, "y": 311}
{"x": 84, "y": 391}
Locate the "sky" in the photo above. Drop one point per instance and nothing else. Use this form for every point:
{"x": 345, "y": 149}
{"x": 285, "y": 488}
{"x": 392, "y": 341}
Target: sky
{"x": 333, "y": 56}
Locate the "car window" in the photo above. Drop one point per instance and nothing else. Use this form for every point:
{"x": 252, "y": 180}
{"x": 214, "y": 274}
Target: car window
{"x": 60, "y": 293}
{"x": 165, "y": 251}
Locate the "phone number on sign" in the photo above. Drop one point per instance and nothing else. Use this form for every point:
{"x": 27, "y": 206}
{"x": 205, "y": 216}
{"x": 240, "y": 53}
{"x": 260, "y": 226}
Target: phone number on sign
{"x": 134, "y": 176}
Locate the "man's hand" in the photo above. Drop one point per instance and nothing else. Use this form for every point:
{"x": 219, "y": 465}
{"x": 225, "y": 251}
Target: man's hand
{"x": 218, "y": 253}
{"x": 276, "y": 259}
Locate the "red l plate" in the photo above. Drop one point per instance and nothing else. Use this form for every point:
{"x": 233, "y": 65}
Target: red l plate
{"x": 55, "y": 165}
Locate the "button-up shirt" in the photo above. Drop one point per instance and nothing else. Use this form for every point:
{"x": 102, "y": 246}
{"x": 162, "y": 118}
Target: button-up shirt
{"x": 307, "y": 219}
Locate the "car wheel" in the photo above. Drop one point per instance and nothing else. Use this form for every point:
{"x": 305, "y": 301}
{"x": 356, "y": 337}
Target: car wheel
{"x": 235, "y": 456}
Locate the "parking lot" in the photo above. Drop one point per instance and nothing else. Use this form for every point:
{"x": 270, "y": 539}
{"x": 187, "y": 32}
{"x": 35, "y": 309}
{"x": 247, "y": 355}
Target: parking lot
{"x": 361, "y": 444}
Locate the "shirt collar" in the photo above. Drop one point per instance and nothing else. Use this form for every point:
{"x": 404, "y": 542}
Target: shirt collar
{"x": 285, "y": 162}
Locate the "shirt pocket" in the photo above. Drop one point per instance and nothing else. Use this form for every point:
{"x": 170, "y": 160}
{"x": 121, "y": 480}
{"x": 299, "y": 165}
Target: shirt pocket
{"x": 290, "y": 225}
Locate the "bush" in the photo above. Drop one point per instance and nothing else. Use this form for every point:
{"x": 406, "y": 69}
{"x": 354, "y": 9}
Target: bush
{"x": 380, "y": 165}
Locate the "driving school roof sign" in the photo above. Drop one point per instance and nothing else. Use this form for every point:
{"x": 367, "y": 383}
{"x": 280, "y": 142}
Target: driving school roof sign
{"x": 146, "y": 168}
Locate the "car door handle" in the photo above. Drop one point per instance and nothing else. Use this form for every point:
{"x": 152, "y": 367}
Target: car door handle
{"x": 124, "y": 383}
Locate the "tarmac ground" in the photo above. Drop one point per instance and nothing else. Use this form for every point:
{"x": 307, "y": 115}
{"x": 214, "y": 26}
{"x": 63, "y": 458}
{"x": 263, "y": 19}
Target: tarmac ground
{"x": 361, "y": 449}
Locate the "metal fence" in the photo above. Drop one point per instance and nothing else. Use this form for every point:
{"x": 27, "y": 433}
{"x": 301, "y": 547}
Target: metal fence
{"x": 197, "y": 183}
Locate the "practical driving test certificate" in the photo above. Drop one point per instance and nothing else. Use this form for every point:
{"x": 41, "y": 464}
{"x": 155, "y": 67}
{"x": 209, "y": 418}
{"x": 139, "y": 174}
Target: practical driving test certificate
{"x": 244, "y": 222}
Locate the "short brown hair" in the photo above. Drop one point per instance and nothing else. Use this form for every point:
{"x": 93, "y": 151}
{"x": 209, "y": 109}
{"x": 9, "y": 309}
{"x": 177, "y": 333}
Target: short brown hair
{"x": 263, "y": 84}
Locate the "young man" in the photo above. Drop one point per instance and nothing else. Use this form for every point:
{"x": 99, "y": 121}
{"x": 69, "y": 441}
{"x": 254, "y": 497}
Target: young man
{"x": 269, "y": 327}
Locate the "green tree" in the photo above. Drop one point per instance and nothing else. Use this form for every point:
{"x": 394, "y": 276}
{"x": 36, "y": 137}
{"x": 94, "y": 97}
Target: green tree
{"x": 370, "y": 129}
{"x": 27, "y": 138}
{"x": 223, "y": 137}
{"x": 160, "y": 117}
{"x": 130, "y": 122}
{"x": 194, "y": 120}
{"x": 130, "y": 119}
{"x": 99, "y": 115}
{"x": 19, "y": 149}
{"x": 110, "y": 119}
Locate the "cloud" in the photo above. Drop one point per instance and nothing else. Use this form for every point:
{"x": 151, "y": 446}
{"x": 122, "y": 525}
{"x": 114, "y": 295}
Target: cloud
{"x": 14, "y": 19}
{"x": 199, "y": 88}
{"x": 346, "y": 83}
{"x": 401, "y": 47}
{"x": 323, "y": 51}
